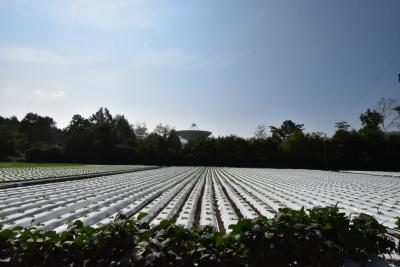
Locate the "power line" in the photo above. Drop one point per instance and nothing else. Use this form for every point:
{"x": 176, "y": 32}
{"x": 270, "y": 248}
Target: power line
{"x": 375, "y": 85}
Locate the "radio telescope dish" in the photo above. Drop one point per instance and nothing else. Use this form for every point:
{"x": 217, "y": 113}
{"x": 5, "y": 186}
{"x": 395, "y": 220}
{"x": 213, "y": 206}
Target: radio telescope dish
{"x": 193, "y": 133}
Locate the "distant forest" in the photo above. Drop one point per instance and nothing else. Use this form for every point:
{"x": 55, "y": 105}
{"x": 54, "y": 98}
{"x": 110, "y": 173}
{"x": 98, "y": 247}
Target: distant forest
{"x": 106, "y": 139}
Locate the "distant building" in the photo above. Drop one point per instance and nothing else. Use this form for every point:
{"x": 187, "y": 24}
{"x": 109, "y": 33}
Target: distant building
{"x": 193, "y": 133}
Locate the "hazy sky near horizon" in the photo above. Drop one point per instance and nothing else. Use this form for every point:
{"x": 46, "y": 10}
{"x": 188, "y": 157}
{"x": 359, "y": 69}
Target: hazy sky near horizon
{"x": 226, "y": 65}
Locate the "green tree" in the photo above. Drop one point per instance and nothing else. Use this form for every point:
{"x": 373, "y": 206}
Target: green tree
{"x": 124, "y": 140}
{"x": 102, "y": 138}
{"x": 342, "y": 126}
{"x": 10, "y": 138}
{"x": 371, "y": 120}
{"x": 261, "y": 132}
{"x": 140, "y": 130}
{"x": 38, "y": 129}
{"x": 123, "y": 131}
{"x": 288, "y": 128}
{"x": 102, "y": 116}
{"x": 162, "y": 130}
{"x": 78, "y": 140}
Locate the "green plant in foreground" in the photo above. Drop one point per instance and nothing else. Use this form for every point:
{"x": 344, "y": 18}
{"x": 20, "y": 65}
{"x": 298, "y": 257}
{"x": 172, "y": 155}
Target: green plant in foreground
{"x": 316, "y": 237}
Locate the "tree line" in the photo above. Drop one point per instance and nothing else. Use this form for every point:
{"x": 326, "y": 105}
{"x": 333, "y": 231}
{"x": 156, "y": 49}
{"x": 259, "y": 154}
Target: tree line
{"x": 106, "y": 139}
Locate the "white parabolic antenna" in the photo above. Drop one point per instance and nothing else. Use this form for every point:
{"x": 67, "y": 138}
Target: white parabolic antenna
{"x": 193, "y": 133}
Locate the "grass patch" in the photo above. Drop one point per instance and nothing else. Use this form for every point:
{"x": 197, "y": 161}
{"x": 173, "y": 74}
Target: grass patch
{"x": 33, "y": 165}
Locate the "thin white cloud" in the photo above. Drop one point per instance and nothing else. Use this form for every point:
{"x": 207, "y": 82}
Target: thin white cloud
{"x": 26, "y": 55}
{"x": 163, "y": 58}
{"x": 29, "y": 55}
{"x": 104, "y": 14}
{"x": 49, "y": 93}
{"x": 176, "y": 58}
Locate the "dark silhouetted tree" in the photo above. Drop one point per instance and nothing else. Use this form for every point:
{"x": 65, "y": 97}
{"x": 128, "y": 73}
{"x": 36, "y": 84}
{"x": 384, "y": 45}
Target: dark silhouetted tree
{"x": 11, "y": 138}
{"x": 102, "y": 138}
{"x": 162, "y": 130}
{"x": 287, "y": 129}
{"x": 342, "y": 126}
{"x": 140, "y": 130}
{"x": 390, "y": 111}
{"x": 371, "y": 119}
{"x": 38, "y": 129}
{"x": 261, "y": 132}
{"x": 78, "y": 140}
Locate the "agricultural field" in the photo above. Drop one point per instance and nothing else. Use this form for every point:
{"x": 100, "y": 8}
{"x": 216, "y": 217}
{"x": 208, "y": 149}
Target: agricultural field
{"x": 17, "y": 164}
{"x": 197, "y": 196}
{"x": 22, "y": 172}
{"x": 380, "y": 173}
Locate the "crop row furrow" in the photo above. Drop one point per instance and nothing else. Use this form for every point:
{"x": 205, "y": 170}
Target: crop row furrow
{"x": 74, "y": 200}
{"x": 197, "y": 196}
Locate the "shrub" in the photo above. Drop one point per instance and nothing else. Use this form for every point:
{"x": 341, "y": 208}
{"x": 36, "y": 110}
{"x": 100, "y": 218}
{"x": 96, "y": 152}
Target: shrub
{"x": 316, "y": 237}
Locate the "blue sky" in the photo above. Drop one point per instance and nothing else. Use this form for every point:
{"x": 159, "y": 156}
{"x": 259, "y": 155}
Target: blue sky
{"x": 226, "y": 65}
